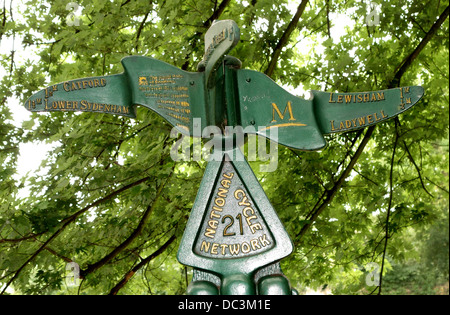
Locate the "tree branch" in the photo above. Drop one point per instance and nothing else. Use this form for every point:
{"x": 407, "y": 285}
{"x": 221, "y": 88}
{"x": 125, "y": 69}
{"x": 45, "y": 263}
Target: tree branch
{"x": 3, "y": 19}
{"x": 141, "y": 26}
{"x": 329, "y": 195}
{"x": 142, "y": 263}
{"x": 388, "y": 212}
{"x": 124, "y": 244}
{"x": 217, "y": 13}
{"x": 409, "y": 60}
{"x": 413, "y": 162}
{"x": 285, "y": 38}
{"x": 64, "y": 223}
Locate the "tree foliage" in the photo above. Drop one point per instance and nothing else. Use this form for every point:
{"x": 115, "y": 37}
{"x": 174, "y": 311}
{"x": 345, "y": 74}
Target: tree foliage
{"x": 110, "y": 198}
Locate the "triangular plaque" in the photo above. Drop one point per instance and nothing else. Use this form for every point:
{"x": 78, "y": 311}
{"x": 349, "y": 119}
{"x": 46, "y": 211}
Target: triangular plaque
{"x": 232, "y": 228}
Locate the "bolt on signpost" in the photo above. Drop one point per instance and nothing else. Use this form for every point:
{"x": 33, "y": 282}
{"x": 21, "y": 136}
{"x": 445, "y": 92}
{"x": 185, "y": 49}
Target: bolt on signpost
{"x": 234, "y": 239}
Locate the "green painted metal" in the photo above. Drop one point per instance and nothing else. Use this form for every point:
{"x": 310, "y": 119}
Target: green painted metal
{"x": 238, "y": 97}
{"x": 301, "y": 123}
{"x": 233, "y": 239}
{"x": 104, "y": 94}
{"x": 176, "y": 95}
{"x": 220, "y": 38}
{"x": 233, "y": 230}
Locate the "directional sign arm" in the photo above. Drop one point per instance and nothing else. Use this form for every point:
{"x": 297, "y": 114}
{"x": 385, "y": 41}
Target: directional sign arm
{"x": 176, "y": 95}
{"x": 340, "y": 112}
{"x": 102, "y": 94}
{"x": 267, "y": 109}
{"x": 301, "y": 124}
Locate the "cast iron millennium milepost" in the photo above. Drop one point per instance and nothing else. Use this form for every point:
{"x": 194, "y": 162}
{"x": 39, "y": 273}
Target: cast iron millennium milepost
{"x": 234, "y": 239}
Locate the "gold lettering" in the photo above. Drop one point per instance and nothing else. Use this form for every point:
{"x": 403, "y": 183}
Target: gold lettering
{"x": 340, "y": 98}
{"x": 238, "y": 192}
{"x": 332, "y": 125}
{"x": 222, "y": 191}
{"x": 255, "y": 244}
{"x": 214, "y": 215}
{"x": 277, "y": 110}
{"x": 245, "y": 247}
{"x": 373, "y": 98}
{"x": 205, "y": 246}
{"x": 250, "y": 218}
{"x": 369, "y": 119}
{"x": 348, "y": 124}
{"x": 213, "y": 223}
{"x": 229, "y": 176}
{"x": 225, "y": 183}
{"x": 383, "y": 114}
{"x": 219, "y": 201}
{"x": 254, "y": 227}
{"x": 214, "y": 248}
{"x": 66, "y": 86}
{"x": 210, "y": 233}
{"x": 380, "y": 96}
{"x": 244, "y": 202}
{"x": 331, "y": 99}
{"x": 223, "y": 248}
{"x": 217, "y": 209}
{"x": 348, "y": 99}
{"x": 362, "y": 120}
{"x": 376, "y": 117}
{"x": 248, "y": 209}
{"x": 264, "y": 242}
{"x": 234, "y": 249}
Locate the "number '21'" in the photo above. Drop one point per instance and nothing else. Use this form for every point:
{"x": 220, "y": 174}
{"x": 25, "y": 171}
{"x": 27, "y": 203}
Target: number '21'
{"x": 225, "y": 230}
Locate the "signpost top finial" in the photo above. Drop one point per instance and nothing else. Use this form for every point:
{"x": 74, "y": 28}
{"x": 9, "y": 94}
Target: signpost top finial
{"x": 220, "y": 38}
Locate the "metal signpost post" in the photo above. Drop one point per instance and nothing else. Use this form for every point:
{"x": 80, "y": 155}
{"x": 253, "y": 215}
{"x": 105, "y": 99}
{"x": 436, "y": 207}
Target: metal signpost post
{"x": 234, "y": 238}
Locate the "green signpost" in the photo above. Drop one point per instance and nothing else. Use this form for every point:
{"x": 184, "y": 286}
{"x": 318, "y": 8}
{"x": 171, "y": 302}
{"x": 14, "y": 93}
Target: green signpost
{"x": 234, "y": 238}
